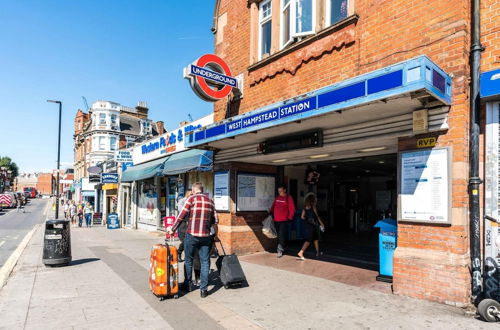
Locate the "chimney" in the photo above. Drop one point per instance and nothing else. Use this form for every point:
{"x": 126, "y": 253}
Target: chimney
{"x": 142, "y": 109}
{"x": 160, "y": 127}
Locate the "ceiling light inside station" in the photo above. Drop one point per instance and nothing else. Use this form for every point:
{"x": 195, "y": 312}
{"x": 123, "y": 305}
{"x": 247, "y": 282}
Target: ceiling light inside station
{"x": 372, "y": 149}
{"x": 319, "y": 156}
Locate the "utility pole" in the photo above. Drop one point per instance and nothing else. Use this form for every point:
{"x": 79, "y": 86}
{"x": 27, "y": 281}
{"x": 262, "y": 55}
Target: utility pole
{"x": 58, "y": 156}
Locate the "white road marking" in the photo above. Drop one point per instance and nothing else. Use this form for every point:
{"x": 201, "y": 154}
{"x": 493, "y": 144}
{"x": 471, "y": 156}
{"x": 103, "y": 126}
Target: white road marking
{"x": 2, "y": 243}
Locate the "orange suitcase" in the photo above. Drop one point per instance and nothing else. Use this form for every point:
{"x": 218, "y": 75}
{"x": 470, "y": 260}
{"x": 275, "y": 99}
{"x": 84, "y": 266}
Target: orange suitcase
{"x": 163, "y": 271}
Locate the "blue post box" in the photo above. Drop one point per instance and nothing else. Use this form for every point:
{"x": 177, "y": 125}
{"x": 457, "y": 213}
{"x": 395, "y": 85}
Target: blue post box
{"x": 386, "y": 245}
{"x": 112, "y": 221}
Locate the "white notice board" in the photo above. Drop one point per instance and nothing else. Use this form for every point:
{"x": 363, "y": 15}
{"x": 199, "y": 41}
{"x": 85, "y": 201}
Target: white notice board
{"x": 425, "y": 185}
{"x": 255, "y": 192}
{"x": 221, "y": 191}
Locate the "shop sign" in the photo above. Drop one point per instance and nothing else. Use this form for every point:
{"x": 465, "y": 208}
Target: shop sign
{"x": 168, "y": 143}
{"x": 424, "y": 185}
{"x": 210, "y": 78}
{"x": 426, "y": 142}
{"x": 123, "y": 156}
{"x": 109, "y": 178}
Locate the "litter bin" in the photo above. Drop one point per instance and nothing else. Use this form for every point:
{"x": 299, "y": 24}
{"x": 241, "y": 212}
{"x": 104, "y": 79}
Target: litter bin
{"x": 113, "y": 222}
{"x": 57, "y": 243}
{"x": 386, "y": 246}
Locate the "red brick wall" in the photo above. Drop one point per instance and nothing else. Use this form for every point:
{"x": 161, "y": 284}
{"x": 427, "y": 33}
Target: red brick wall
{"x": 387, "y": 32}
{"x": 490, "y": 34}
{"x": 44, "y": 184}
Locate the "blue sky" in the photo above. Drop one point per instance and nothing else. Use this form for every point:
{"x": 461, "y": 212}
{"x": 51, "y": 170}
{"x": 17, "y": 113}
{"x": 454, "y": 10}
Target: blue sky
{"x": 119, "y": 50}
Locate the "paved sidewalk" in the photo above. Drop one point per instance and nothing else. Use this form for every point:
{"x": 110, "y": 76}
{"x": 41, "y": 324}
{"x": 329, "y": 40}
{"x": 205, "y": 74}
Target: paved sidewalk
{"x": 106, "y": 287}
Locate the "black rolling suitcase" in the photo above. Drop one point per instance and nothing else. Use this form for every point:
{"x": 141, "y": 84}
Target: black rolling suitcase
{"x": 230, "y": 271}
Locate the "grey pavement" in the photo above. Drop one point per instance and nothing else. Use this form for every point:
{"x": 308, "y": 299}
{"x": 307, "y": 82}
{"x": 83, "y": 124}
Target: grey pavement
{"x": 14, "y": 226}
{"x": 106, "y": 287}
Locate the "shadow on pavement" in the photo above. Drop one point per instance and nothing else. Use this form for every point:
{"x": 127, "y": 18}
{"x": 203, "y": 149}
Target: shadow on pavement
{"x": 82, "y": 261}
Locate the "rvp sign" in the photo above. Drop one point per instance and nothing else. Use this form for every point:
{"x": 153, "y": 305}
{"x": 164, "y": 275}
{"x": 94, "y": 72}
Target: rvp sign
{"x": 211, "y": 79}
{"x": 426, "y": 142}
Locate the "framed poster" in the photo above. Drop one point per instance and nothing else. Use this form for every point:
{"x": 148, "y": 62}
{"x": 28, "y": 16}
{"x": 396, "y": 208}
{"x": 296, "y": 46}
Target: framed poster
{"x": 255, "y": 192}
{"x": 424, "y": 190}
{"x": 221, "y": 191}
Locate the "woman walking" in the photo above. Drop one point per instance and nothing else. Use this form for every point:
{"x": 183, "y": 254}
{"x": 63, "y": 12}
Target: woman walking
{"x": 72, "y": 212}
{"x": 313, "y": 224}
{"x": 88, "y": 214}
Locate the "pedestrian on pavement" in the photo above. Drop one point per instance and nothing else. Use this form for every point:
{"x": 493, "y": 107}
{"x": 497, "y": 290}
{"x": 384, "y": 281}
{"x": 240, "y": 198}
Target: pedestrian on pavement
{"x": 202, "y": 220}
{"x": 88, "y": 214}
{"x": 66, "y": 210}
{"x": 282, "y": 211}
{"x": 314, "y": 225}
{"x": 72, "y": 212}
{"x": 183, "y": 225}
{"x": 80, "y": 214}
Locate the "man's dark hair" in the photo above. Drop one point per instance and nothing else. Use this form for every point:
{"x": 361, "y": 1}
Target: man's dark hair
{"x": 282, "y": 186}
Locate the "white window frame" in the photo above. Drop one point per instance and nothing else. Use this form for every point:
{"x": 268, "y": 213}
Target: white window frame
{"x": 328, "y": 12}
{"x": 262, "y": 21}
{"x": 101, "y": 143}
{"x": 112, "y": 146}
{"x": 296, "y": 34}
{"x": 114, "y": 122}
{"x": 283, "y": 7}
{"x": 100, "y": 119}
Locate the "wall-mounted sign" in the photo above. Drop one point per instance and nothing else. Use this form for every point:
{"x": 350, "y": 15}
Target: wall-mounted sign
{"x": 167, "y": 143}
{"x": 109, "y": 178}
{"x": 210, "y": 78}
{"x": 424, "y": 185}
{"x": 221, "y": 191}
{"x": 426, "y": 142}
{"x": 420, "y": 121}
{"x": 123, "y": 156}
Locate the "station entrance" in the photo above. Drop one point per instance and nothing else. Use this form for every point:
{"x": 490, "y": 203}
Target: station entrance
{"x": 353, "y": 194}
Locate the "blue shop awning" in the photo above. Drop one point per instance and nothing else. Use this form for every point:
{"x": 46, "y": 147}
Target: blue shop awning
{"x": 186, "y": 161}
{"x": 144, "y": 171}
{"x": 490, "y": 85}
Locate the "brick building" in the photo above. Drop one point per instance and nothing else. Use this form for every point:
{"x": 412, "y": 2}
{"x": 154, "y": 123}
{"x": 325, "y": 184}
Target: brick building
{"x": 45, "y": 183}
{"x": 379, "y": 85}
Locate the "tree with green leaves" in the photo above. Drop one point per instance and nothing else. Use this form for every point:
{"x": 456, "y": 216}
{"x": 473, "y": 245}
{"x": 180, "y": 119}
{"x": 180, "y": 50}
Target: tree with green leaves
{"x": 7, "y": 162}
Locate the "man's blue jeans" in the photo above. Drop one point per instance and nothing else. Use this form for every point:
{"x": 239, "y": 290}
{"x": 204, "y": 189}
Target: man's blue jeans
{"x": 88, "y": 219}
{"x": 203, "y": 245}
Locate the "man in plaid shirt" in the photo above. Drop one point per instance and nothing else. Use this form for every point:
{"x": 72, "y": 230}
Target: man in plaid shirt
{"x": 202, "y": 217}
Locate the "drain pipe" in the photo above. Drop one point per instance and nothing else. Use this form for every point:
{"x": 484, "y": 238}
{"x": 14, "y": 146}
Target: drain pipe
{"x": 474, "y": 180}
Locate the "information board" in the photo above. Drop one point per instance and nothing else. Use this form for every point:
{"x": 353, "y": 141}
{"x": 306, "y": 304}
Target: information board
{"x": 113, "y": 221}
{"x": 221, "y": 191}
{"x": 424, "y": 185}
{"x": 255, "y": 192}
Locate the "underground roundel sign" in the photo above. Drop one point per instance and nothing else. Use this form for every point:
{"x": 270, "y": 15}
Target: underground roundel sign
{"x": 210, "y": 78}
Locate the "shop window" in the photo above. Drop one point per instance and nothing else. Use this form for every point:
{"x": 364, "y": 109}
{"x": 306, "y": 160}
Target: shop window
{"x": 336, "y": 10}
{"x": 265, "y": 22}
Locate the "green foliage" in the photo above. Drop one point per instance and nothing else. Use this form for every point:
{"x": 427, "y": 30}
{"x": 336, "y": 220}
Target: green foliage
{"x": 7, "y": 162}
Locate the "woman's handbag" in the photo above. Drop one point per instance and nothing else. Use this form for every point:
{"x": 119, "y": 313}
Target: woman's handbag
{"x": 268, "y": 227}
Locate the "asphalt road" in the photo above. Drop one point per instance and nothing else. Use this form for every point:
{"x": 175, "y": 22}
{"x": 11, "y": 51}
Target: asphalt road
{"x": 14, "y": 226}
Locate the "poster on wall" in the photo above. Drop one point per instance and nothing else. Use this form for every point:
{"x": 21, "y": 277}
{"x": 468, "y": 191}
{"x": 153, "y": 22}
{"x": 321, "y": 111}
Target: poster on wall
{"x": 424, "y": 185}
{"x": 147, "y": 211}
{"x": 255, "y": 192}
{"x": 221, "y": 191}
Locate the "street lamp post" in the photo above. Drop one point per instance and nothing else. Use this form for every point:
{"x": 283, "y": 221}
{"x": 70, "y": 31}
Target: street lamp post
{"x": 58, "y": 156}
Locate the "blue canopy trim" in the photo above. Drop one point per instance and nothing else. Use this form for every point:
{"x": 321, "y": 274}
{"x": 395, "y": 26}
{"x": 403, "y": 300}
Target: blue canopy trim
{"x": 187, "y": 161}
{"x": 144, "y": 171}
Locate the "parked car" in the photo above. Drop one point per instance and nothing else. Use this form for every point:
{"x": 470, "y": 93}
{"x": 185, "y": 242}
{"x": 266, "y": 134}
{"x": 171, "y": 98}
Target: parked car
{"x": 8, "y": 199}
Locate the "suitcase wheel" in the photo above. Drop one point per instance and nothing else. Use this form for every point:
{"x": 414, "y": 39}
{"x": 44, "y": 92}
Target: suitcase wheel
{"x": 161, "y": 298}
{"x": 176, "y": 296}
{"x": 226, "y": 286}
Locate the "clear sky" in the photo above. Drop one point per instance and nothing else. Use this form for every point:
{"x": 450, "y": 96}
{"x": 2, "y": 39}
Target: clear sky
{"x": 120, "y": 50}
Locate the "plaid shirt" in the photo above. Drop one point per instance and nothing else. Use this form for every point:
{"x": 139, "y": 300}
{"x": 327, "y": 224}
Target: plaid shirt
{"x": 202, "y": 215}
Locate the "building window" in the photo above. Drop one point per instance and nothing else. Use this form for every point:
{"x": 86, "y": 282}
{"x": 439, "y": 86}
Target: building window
{"x": 265, "y": 21}
{"x": 286, "y": 22}
{"x": 112, "y": 143}
{"x": 102, "y": 119}
{"x": 304, "y": 17}
{"x": 336, "y": 10}
{"x": 113, "y": 120}
{"x": 102, "y": 146}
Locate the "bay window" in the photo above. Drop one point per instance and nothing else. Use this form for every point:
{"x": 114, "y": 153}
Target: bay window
{"x": 112, "y": 143}
{"x": 102, "y": 119}
{"x": 336, "y": 10}
{"x": 265, "y": 31}
{"x": 102, "y": 145}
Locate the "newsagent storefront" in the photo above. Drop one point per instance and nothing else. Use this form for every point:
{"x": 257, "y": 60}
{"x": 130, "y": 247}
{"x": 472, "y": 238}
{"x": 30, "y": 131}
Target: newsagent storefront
{"x": 369, "y": 148}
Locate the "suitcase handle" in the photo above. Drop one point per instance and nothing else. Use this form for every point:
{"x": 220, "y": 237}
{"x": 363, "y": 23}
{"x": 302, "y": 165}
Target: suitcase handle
{"x": 222, "y": 246}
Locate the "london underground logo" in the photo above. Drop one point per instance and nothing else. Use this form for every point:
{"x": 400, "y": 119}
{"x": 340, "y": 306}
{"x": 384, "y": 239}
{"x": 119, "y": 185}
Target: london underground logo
{"x": 210, "y": 78}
